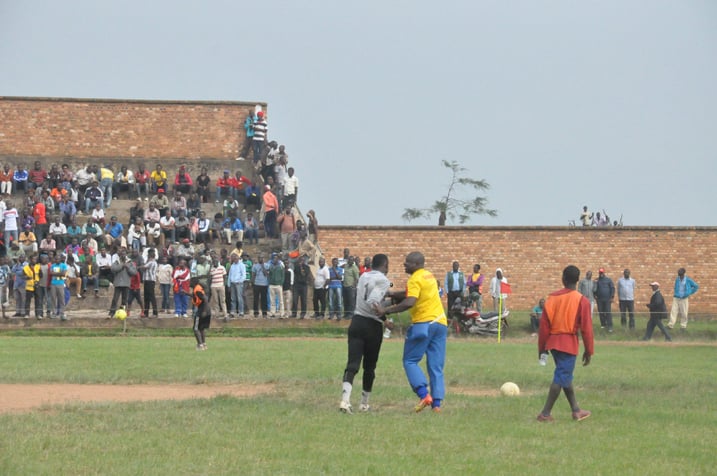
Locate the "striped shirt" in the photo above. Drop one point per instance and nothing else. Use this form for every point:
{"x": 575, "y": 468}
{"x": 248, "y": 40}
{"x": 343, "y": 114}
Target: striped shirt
{"x": 260, "y": 129}
{"x": 149, "y": 273}
{"x": 218, "y": 273}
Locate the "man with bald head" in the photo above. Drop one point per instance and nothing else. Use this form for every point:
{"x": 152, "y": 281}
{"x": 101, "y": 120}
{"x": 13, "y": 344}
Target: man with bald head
{"x": 427, "y": 334}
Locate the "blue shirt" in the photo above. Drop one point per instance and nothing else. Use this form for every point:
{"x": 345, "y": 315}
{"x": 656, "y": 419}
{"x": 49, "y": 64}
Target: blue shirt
{"x": 114, "y": 231}
{"x": 58, "y": 268}
{"x": 237, "y": 272}
{"x": 20, "y": 176}
{"x": 261, "y": 274}
{"x": 336, "y": 276}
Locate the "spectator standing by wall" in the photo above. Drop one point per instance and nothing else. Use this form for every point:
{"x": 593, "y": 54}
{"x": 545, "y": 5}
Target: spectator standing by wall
{"x": 351, "y": 277}
{"x": 218, "y": 279}
{"x": 164, "y": 277}
{"x": 455, "y": 284}
{"x": 276, "y": 284}
{"x": 261, "y": 129}
{"x": 475, "y": 287}
{"x": 336, "y": 277}
{"x": 302, "y": 279}
{"x": 626, "y": 298}
{"x": 321, "y": 283}
{"x": 684, "y": 288}
{"x": 586, "y": 287}
{"x": 604, "y": 294}
{"x": 260, "y": 285}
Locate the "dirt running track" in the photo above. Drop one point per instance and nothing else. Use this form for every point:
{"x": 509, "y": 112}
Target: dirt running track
{"x": 26, "y": 397}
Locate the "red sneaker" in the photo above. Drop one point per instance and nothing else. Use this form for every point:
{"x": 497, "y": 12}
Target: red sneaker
{"x": 542, "y": 417}
{"x": 423, "y": 403}
{"x": 581, "y": 415}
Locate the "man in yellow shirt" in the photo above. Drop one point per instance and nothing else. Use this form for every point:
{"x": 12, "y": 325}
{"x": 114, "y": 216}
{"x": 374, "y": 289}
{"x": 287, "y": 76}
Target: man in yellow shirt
{"x": 159, "y": 178}
{"x": 427, "y": 334}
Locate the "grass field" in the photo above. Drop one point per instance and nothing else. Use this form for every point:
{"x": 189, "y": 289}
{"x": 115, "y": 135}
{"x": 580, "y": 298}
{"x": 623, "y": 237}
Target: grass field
{"x": 653, "y": 411}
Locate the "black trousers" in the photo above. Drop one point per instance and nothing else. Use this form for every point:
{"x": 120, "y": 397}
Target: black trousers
{"x": 605, "y": 313}
{"x": 629, "y": 308}
{"x": 651, "y": 324}
{"x": 300, "y": 293}
{"x": 349, "y": 295}
{"x": 260, "y": 298}
{"x": 452, "y": 295}
{"x": 121, "y": 293}
{"x": 150, "y": 298}
{"x": 319, "y": 302}
{"x": 365, "y": 338}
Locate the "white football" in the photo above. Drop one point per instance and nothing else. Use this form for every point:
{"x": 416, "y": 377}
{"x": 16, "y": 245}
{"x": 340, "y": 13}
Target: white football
{"x": 509, "y": 389}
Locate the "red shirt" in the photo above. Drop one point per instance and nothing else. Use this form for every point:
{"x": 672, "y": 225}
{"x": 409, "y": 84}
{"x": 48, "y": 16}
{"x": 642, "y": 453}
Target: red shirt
{"x": 39, "y": 214}
{"x": 141, "y": 177}
{"x": 566, "y": 312}
{"x": 37, "y": 176}
{"x": 135, "y": 281}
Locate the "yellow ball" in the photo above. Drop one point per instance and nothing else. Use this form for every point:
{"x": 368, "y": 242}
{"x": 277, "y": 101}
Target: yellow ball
{"x": 509, "y": 389}
{"x": 121, "y": 314}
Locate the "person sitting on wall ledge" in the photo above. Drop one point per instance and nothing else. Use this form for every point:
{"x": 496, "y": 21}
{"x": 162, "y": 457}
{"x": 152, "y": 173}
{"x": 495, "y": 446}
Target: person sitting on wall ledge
{"x": 203, "y": 182}
{"x": 159, "y": 178}
{"x": 226, "y": 185}
{"x": 142, "y": 182}
{"x": 124, "y": 182}
{"x": 160, "y": 201}
{"x": 182, "y": 181}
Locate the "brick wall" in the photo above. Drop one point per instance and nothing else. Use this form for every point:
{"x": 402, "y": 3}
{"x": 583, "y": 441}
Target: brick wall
{"x": 533, "y": 258}
{"x": 52, "y": 128}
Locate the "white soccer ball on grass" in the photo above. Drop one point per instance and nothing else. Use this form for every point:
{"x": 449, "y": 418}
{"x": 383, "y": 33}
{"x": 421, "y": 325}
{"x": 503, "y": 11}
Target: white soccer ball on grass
{"x": 509, "y": 389}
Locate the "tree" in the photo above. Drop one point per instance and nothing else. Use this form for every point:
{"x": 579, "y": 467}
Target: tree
{"x": 452, "y": 207}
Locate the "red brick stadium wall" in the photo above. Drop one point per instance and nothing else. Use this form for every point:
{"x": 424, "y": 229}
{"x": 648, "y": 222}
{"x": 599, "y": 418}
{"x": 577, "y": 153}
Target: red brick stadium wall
{"x": 533, "y": 258}
{"x": 55, "y": 128}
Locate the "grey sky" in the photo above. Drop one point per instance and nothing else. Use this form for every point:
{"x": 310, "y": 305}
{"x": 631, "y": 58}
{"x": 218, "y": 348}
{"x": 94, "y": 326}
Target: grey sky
{"x": 557, "y": 104}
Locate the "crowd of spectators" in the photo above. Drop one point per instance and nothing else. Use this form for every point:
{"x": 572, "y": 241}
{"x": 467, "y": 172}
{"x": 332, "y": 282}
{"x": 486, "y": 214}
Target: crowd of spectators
{"x": 62, "y": 217}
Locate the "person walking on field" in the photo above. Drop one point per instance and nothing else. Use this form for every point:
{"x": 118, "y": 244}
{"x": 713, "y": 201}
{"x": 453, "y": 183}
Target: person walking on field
{"x": 566, "y": 312}
{"x": 427, "y": 334}
{"x": 684, "y": 288}
{"x": 366, "y": 333}
{"x": 658, "y": 311}
{"x": 203, "y": 316}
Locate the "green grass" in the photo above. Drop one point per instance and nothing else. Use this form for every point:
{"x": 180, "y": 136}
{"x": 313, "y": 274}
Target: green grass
{"x": 653, "y": 411}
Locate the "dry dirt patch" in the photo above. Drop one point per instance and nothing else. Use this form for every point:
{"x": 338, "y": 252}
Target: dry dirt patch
{"x": 25, "y": 397}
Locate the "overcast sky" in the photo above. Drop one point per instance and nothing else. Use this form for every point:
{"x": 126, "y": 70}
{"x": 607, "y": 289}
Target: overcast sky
{"x": 557, "y": 104}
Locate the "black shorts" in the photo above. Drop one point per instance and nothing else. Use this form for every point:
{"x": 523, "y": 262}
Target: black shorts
{"x": 201, "y": 323}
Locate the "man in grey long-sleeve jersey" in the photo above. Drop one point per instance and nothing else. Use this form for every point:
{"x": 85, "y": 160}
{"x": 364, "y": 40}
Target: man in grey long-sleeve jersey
{"x": 365, "y": 332}
{"x": 586, "y": 287}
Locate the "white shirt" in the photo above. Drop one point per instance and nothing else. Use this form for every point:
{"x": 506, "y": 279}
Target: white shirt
{"x": 291, "y": 184}
{"x": 322, "y": 276}
{"x": 10, "y": 217}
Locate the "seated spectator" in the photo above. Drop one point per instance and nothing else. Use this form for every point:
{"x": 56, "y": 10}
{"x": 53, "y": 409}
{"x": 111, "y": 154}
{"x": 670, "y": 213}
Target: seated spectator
{"x": 181, "y": 226}
{"x": 67, "y": 177}
{"x": 113, "y": 231}
{"x": 151, "y": 213}
{"x": 74, "y": 231}
{"x": 50, "y": 203}
{"x": 103, "y": 260}
{"x": 27, "y": 219}
{"x": 182, "y": 181}
{"x": 93, "y": 196}
{"x": 56, "y": 193}
{"x": 74, "y": 193}
{"x": 67, "y": 209}
{"x": 73, "y": 248}
{"x": 159, "y": 179}
{"x": 136, "y": 234}
{"x": 251, "y": 229}
{"x": 203, "y": 228}
{"x": 230, "y": 205}
{"x": 160, "y": 201}
{"x": 90, "y": 243}
{"x": 136, "y": 211}
{"x": 84, "y": 178}
{"x": 6, "y": 180}
{"x": 48, "y": 244}
{"x": 92, "y": 229}
{"x": 54, "y": 177}
{"x": 28, "y": 241}
{"x": 194, "y": 205}
{"x": 37, "y": 176}
{"x": 185, "y": 251}
{"x": 535, "y": 318}
{"x": 203, "y": 182}
{"x": 107, "y": 180}
{"x": 233, "y": 229}
{"x": 178, "y": 204}
{"x": 217, "y": 227}
{"x": 98, "y": 215}
{"x": 153, "y": 233}
{"x": 166, "y": 223}
{"x": 226, "y": 186}
{"x": 20, "y": 177}
{"x": 58, "y": 230}
{"x": 142, "y": 182}
{"x": 243, "y": 186}
{"x": 124, "y": 182}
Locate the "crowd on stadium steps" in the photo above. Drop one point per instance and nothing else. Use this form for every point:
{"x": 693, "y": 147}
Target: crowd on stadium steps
{"x": 60, "y": 239}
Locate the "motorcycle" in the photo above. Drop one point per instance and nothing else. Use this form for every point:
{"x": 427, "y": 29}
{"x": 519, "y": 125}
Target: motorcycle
{"x": 465, "y": 319}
